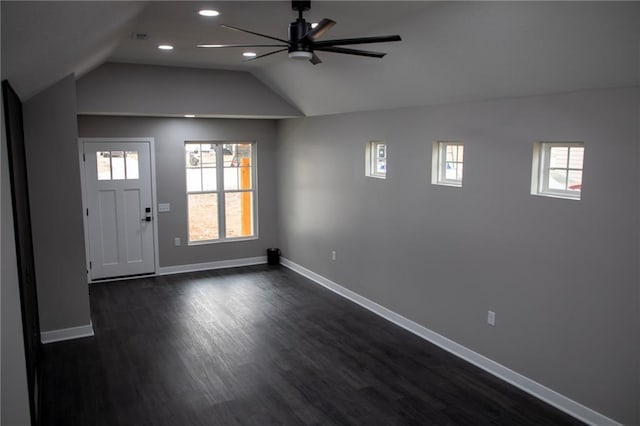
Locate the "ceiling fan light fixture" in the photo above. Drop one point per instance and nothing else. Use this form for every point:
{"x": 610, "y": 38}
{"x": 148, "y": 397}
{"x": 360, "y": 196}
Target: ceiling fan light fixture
{"x": 208, "y": 12}
{"x": 300, "y": 54}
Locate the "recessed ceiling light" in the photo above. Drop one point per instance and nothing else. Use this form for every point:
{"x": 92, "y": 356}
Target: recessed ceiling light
{"x": 208, "y": 12}
{"x": 314, "y": 24}
{"x": 210, "y": 45}
{"x": 249, "y": 54}
{"x": 189, "y": 116}
{"x": 165, "y": 47}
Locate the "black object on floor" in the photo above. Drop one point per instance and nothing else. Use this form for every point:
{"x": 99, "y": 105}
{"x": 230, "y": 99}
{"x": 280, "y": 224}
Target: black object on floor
{"x": 273, "y": 256}
{"x": 262, "y": 346}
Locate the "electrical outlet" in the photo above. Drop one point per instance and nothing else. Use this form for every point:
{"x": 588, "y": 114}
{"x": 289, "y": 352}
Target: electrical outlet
{"x": 491, "y": 318}
{"x": 333, "y": 255}
{"x": 177, "y": 241}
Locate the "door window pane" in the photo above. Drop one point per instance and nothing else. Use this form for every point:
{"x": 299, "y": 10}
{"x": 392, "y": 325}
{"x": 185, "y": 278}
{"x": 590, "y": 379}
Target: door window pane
{"x": 131, "y": 158}
{"x": 117, "y": 165}
{"x": 103, "y": 160}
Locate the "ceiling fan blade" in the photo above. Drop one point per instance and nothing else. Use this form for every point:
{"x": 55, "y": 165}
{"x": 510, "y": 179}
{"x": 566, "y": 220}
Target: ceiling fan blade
{"x": 217, "y": 46}
{"x": 315, "y": 60}
{"x": 317, "y": 32}
{"x": 361, "y": 40}
{"x": 254, "y": 33}
{"x": 351, "y": 51}
{"x": 266, "y": 54}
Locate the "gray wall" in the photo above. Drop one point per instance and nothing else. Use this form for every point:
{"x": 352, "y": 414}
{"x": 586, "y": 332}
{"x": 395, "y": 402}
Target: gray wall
{"x": 13, "y": 371}
{"x": 145, "y": 90}
{"x": 56, "y": 209}
{"x": 170, "y": 135}
{"x": 561, "y": 275}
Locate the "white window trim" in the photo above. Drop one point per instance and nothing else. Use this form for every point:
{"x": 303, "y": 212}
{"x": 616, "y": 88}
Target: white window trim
{"x": 540, "y": 171}
{"x": 370, "y": 160}
{"x": 222, "y": 238}
{"x": 438, "y": 162}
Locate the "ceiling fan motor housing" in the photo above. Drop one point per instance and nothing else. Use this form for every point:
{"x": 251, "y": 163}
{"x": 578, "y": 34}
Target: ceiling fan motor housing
{"x": 299, "y": 48}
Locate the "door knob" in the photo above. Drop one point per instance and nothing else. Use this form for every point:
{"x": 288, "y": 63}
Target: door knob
{"x": 147, "y": 212}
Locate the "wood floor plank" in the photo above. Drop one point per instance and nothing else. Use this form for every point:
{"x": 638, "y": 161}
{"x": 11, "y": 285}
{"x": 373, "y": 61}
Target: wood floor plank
{"x": 262, "y": 345}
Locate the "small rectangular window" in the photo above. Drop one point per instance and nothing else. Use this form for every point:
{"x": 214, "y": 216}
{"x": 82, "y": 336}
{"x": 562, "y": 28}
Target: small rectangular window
{"x": 557, "y": 169}
{"x": 447, "y": 163}
{"x": 376, "y": 160}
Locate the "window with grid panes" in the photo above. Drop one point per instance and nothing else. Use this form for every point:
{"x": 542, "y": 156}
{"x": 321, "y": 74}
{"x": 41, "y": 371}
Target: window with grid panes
{"x": 221, "y": 194}
{"x": 557, "y": 169}
{"x": 448, "y": 163}
{"x": 376, "y": 160}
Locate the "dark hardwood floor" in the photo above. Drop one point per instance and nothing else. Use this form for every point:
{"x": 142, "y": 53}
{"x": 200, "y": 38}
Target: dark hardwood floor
{"x": 262, "y": 346}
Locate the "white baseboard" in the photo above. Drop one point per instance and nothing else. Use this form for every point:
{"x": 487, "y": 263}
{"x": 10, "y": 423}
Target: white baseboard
{"x": 67, "y": 333}
{"x": 532, "y": 387}
{"x": 247, "y": 261}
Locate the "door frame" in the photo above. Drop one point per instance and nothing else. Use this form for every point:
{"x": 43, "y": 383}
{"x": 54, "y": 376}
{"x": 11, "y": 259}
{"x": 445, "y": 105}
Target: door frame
{"x": 154, "y": 204}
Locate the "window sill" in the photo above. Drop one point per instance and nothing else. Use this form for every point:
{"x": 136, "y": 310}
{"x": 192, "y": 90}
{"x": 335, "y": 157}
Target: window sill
{"x": 451, "y": 184}
{"x": 219, "y": 241}
{"x": 560, "y": 196}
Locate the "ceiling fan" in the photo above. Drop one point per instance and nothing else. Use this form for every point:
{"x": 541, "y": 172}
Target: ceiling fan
{"x": 303, "y": 39}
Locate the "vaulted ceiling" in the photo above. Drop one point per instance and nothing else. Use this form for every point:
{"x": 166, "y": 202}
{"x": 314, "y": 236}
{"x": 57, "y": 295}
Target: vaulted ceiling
{"x": 451, "y": 51}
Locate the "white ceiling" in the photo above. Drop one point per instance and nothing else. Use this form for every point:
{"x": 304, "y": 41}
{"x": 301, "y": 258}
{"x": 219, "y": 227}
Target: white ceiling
{"x": 451, "y": 51}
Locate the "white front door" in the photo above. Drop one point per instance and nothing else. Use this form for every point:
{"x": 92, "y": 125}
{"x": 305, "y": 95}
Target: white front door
{"x": 119, "y": 208}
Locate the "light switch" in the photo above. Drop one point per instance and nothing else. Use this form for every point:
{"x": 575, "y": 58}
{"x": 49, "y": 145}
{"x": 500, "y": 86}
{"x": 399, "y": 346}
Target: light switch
{"x": 164, "y": 207}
